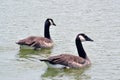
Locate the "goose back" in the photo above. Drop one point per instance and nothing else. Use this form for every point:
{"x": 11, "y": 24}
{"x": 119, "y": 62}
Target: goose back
{"x": 36, "y": 42}
{"x": 67, "y": 60}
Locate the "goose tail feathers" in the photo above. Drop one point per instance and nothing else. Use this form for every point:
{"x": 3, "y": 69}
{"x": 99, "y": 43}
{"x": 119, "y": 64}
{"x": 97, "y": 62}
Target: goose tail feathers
{"x": 45, "y": 60}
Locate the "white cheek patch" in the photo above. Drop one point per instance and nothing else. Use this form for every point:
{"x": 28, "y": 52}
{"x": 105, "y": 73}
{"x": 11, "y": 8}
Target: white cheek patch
{"x": 51, "y": 22}
{"x": 82, "y": 38}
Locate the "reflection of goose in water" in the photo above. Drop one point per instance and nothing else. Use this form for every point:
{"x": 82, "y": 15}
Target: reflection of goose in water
{"x": 23, "y": 53}
{"x": 36, "y": 42}
{"x": 71, "y": 61}
{"x": 65, "y": 74}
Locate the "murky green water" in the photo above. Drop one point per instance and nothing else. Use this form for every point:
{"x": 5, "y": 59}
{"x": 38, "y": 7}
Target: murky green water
{"x": 99, "y": 19}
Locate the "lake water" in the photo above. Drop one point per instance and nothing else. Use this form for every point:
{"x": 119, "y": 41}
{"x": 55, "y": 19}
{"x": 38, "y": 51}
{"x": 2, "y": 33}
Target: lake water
{"x": 99, "y": 19}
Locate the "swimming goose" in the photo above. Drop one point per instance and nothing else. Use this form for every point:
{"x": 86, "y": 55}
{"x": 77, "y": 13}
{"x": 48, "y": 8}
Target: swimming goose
{"x": 36, "y": 42}
{"x": 68, "y": 60}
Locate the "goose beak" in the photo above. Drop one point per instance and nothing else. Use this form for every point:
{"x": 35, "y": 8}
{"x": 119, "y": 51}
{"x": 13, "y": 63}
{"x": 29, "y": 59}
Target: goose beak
{"x": 88, "y": 39}
{"x": 54, "y": 24}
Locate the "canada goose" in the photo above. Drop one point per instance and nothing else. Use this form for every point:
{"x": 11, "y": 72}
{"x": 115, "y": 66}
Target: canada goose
{"x": 68, "y": 60}
{"x": 36, "y": 42}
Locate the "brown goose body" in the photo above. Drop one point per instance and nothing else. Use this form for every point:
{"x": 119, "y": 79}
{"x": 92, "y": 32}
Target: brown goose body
{"x": 68, "y": 60}
{"x": 36, "y": 42}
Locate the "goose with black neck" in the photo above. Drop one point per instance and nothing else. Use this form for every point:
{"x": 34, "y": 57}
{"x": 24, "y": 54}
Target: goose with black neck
{"x": 37, "y": 42}
{"x": 68, "y": 60}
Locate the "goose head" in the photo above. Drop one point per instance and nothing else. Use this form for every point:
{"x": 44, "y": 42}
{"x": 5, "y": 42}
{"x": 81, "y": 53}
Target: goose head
{"x": 83, "y": 37}
{"x": 49, "y": 22}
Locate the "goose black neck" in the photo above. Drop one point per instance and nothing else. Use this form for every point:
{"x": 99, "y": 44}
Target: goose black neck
{"x": 46, "y": 31}
{"x": 80, "y": 49}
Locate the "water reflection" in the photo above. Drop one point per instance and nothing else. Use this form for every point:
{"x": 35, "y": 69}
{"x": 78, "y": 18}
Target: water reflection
{"x": 24, "y": 53}
{"x": 66, "y": 74}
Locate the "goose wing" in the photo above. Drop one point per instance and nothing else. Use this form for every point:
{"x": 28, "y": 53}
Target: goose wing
{"x": 35, "y": 41}
{"x": 67, "y": 60}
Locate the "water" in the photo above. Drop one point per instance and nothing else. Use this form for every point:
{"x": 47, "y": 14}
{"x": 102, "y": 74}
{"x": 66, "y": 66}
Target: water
{"x": 99, "y": 19}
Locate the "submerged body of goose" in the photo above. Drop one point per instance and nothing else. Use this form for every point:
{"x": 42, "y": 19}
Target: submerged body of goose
{"x": 37, "y": 42}
{"x": 68, "y": 60}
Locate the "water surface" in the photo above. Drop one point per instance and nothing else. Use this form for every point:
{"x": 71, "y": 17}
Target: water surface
{"x": 99, "y": 19}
